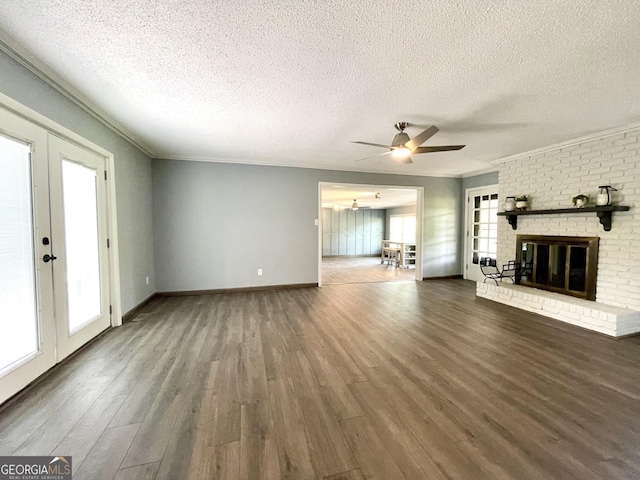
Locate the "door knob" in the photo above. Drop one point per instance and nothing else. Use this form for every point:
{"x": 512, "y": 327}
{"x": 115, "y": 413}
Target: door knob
{"x": 49, "y": 258}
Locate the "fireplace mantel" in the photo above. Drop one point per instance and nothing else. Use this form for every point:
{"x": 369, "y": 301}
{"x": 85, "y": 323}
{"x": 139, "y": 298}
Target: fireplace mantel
{"x": 604, "y": 214}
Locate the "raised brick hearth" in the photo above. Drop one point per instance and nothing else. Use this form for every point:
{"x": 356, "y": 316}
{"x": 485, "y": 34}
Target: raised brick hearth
{"x": 613, "y": 321}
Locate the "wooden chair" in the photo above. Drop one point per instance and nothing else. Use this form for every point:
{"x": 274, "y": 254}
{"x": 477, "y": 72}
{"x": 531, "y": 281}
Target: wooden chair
{"x": 392, "y": 256}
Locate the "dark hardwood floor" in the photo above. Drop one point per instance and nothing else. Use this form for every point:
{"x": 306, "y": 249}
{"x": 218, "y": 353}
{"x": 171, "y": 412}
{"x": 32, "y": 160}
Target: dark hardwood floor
{"x": 397, "y": 380}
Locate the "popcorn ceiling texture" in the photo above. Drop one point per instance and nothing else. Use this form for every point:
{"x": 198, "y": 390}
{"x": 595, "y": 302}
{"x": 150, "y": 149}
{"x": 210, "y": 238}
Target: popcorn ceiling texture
{"x": 293, "y": 83}
{"x": 552, "y": 178}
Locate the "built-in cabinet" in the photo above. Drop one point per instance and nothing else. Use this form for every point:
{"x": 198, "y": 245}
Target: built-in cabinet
{"x": 409, "y": 255}
{"x": 348, "y": 232}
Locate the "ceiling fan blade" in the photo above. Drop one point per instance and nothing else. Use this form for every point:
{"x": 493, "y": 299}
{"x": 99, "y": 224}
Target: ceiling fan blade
{"x": 372, "y": 156}
{"x": 373, "y": 144}
{"x": 407, "y": 160}
{"x": 422, "y": 137}
{"x": 444, "y": 148}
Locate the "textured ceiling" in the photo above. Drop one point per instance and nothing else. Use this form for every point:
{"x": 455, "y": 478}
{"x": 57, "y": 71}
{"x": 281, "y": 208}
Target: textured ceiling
{"x": 343, "y": 195}
{"x": 294, "y": 82}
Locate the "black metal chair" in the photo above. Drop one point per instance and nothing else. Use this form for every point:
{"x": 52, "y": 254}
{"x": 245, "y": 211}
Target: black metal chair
{"x": 488, "y": 267}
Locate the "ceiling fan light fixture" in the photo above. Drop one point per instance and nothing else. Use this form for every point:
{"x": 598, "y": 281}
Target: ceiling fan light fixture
{"x": 403, "y": 147}
{"x": 355, "y": 205}
{"x": 402, "y": 152}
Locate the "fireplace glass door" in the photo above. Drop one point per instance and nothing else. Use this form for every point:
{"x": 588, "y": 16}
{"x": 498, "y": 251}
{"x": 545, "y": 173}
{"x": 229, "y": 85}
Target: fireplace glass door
{"x": 578, "y": 269}
{"x": 559, "y": 264}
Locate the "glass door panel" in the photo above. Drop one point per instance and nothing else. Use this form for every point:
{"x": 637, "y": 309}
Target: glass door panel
{"x": 558, "y": 266}
{"x": 78, "y": 223}
{"x": 19, "y": 321}
{"x": 82, "y": 253}
{"x": 27, "y": 329}
{"x": 578, "y": 270}
{"x": 482, "y": 231}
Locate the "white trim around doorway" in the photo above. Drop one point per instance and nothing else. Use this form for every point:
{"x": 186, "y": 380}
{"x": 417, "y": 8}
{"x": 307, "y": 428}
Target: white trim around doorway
{"x": 419, "y": 222}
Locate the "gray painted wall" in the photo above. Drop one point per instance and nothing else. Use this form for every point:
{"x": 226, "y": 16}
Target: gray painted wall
{"x": 133, "y": 175}
{"x": 490, "y": 178}
{"x": 215, "y": 224}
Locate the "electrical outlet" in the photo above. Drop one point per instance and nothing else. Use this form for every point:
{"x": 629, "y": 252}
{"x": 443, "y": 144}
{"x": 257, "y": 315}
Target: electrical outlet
{"x": 259, "y": 271}
{"x": 147, "y": 280}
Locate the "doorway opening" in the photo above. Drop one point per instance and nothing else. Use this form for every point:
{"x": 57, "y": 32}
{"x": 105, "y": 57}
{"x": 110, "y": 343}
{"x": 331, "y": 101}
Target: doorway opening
{"x": 369, "y": 233}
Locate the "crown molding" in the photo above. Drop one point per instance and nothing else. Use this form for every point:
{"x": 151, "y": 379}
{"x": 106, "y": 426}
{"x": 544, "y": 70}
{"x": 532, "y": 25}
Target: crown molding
{"x": 475, "y": 173}
{"x": 25, "y": 58}
{"x": 630, "y": 127}
{"x": 236, "y": 161}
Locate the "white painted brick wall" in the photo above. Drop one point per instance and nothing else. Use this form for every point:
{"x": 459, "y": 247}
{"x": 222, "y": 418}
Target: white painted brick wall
{"x": 550, "y": 179}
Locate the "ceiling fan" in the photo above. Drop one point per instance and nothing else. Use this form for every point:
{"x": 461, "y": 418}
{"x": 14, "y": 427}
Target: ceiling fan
{"x": 355, "y": 206}
{"x": 402, "y": 147}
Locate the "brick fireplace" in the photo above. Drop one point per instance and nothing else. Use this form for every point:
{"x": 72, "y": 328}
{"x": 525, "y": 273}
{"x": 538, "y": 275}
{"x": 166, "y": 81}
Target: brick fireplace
{"x": 550, "y": 177}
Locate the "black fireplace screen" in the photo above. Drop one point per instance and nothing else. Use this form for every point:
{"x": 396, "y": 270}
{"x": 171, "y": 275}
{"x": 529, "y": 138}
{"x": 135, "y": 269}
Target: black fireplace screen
{"x": 565, "y": 265}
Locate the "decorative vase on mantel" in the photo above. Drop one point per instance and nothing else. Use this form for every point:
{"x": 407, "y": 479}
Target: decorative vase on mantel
{"x": 580, "y": 200}
{"x": 509, "y": 204}
{"x": 604, "y": 196}
{"x": 522, "y": 202}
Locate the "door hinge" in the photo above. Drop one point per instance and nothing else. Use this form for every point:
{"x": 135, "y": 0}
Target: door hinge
{"x": 110, "y": 309}
{"x": 105, "y": 174}
{"x": 108, "y": 243}
{"x": 467, "y": 266}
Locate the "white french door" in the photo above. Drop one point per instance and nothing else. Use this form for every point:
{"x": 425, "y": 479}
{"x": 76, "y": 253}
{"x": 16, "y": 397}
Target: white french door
{"x": 54, "y": 274}
{"x": 482, "y": 229}
{"x": 27, "y": 330}
{"x": 79, "y": 240}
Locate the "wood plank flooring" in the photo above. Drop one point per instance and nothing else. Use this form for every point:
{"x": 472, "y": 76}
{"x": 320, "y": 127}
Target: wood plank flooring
{"x": 397, "y": 380}
{"x": 339, "y": 270}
